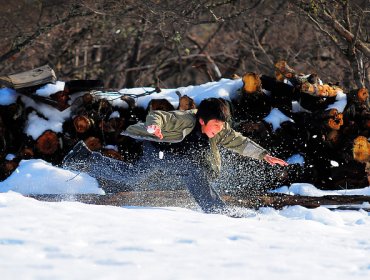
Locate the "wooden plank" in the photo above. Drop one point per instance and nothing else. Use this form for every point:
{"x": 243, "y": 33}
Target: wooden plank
{"x": 279, "y": 201}
{"x": 181, "y": 198}
{"x": 129, "y": 198}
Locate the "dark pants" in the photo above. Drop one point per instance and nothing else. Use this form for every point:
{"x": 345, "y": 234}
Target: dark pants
{"x": 150, "y": 172}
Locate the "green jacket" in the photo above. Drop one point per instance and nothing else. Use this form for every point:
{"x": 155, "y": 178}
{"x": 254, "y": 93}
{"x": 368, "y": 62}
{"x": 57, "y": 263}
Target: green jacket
{"x": 176, "y": 125}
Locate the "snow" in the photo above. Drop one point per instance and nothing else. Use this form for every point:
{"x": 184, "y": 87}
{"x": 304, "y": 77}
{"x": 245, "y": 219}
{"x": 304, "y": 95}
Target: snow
{"x": 72, "y": 240}
{"x": 224, "y": 88}
{"x": 275, "y": 118}
{"x": 297, "y": 158}
{"x": 340, "y": 102}
{"x": 49, "y": 89}
{"x": 7, "y": 96}
{"x": 36, "y": 125}
{"x": 36, "y": 176}
{"x": 52, "y": 118}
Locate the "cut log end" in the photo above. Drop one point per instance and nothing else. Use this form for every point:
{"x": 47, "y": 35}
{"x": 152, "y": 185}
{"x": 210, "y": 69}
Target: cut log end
{"x": 251, "y": 83}
{"x": 82, "y": 124}
{"x": 186, "y": 103}
{"x": 112, "y": 154}
{"x": 47, "y": 143}
{"x": 93, "y": 143}
{"x": 363, "y": 95}
{"x": 160, "y": 104}
{"x": 361, "y": 149}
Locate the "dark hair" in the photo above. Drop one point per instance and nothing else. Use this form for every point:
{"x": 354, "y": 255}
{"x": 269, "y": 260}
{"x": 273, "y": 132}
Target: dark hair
{"x": 213, "y": 109}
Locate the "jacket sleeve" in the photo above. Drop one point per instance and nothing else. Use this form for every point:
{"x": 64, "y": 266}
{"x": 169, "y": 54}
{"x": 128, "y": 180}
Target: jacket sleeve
{"x": 238, "y": 143}
{"x": 158, "y": 118}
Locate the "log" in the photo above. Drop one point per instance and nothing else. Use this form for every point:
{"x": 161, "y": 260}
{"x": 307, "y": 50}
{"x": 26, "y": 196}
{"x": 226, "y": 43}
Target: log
{"x": 102, "y": 107}
{"x": 318, "y": 90}
{"x": 82, "y": 124}
{"x": 112, "y": 125}
{"x": 35, "y": 77}
{"x": 186, "y": 103}
{"x": 87, "y": 99}
{"x": 61, "y": 98}
{"x": 93, "y": 143}
{"x": 160, "y": 104}
{"x": 181, "y": 198}
{"x": 278, "y": 201}
{"x": 362, "y": 95}
{"x": 112, "y": 154}
{"x": 144, "y": 198}
{"x": 252, "y": 83}
{"x": 332, "y": 119}
{"x": 26, "y": 153}
{"x": 47, "y": 143}
{"x": 7, "y": 168}
{"x": 283, "y": 71}
{"x": 361, "y": 149}
{"x": 3, "y": 140}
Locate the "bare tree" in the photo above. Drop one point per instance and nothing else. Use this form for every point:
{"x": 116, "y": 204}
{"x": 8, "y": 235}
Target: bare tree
{"x": 167, "y": 43}
{"x": 347, "y": 25}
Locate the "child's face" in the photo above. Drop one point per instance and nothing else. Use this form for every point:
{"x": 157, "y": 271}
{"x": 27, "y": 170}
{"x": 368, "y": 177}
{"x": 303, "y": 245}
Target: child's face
{"x": 212, "y": 127}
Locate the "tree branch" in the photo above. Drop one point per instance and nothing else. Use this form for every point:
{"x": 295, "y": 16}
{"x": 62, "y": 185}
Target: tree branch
{"x": 40, "y": 31}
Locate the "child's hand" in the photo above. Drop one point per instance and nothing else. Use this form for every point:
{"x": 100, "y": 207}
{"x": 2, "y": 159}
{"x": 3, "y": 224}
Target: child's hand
{"x": 156, "y": 130}
{"x": 273, "y": 160}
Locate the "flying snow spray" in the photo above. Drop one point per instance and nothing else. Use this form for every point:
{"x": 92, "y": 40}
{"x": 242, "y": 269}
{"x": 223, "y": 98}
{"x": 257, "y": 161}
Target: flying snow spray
{"x": 161, "y": 155}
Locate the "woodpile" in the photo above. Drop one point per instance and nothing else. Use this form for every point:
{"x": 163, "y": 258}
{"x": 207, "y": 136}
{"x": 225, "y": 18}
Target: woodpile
{"x": 334, "y": 143}
{"x": 326, "y": 137}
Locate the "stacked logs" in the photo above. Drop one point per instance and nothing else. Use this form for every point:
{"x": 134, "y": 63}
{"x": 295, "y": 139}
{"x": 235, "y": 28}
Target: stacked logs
{"x": 326, "y": 138}
{"x": 333, "y": 143}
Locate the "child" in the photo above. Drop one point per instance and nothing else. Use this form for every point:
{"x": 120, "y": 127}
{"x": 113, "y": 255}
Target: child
{"x": 189, "y": 139}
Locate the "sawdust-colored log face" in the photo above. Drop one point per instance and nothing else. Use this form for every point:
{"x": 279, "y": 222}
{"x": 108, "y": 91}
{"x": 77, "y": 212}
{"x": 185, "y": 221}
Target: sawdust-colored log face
{"x": 283, "y": 70}
{"x": 361, "y": 149}
{"x": 93, "y": 143}
{"x": 363, "y": 95}
{"x": 320, "y": 90}
{"x": 251, "y": 83}
{"x": 186, "y": 103}
{"x": 333, "y": 119}
{"x": 82, "y": 124}
{"x": 47, "y": 143}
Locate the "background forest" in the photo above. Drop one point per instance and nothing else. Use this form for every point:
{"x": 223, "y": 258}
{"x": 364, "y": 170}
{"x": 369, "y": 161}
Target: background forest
{"x": 178, "y": 43}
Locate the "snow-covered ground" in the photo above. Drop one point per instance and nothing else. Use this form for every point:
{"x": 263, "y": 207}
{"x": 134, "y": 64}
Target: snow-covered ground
{"x": 71, "y": 240}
